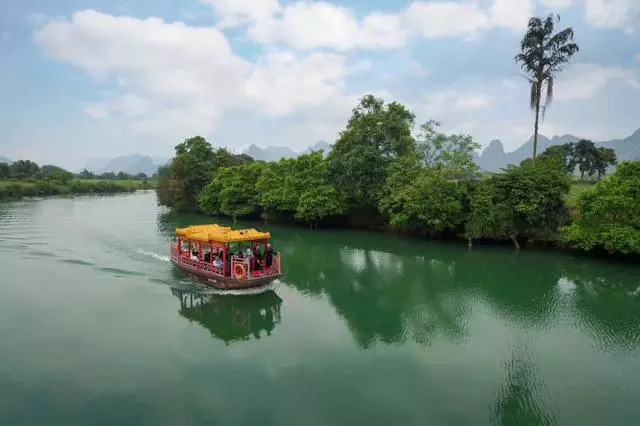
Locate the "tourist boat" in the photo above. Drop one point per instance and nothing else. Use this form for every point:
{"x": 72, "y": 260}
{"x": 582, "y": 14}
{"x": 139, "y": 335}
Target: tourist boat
{"x": 223, "y": 257}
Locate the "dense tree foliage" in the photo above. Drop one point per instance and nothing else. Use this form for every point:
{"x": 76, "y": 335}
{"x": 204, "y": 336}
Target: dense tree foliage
{"x": 532, "y": 196}
{"x": 583, "y": 155}
{"x": 297, "y": 187}
{"x": 543, "y": 53}
{"x": 192, "y": 168}
{"x": 55, "y": 173}
{"x": 24, "y": 169}
{"x": 452, "y": 154}
{"x": 383, "y": 173}
{"x": 608, "y": 216}
{"x": 5, "y": 171}
{"x": 375, "y": 135}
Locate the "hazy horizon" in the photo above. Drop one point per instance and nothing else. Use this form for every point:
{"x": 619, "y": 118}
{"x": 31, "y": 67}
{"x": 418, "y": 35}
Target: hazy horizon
{"x": 92, "y": 79}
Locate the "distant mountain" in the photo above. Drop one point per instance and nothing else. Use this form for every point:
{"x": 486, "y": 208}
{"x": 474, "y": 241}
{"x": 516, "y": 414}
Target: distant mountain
{"x": 275, "y": 153}
{"x": 130, "y": 164}
{"x": 493, "y": 157}
{"x": 4, "y": 159}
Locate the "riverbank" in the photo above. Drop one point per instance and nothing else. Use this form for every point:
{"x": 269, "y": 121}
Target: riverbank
{"x": 16, "y": 189}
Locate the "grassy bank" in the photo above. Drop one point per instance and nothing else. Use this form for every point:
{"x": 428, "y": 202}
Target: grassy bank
{"x": 577, "y": 189}
{"x": 14, "y": 189}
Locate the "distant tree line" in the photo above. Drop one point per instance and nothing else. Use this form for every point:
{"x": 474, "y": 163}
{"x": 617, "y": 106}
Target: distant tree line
{"x": 30, "y": 170}
{"x": 584, "y": 157}
{"x": 25, "y": 178}
{"x": 383, "y": 175}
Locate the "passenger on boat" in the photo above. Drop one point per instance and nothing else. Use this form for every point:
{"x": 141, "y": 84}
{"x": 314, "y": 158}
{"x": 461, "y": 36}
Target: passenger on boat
{"x": 217, "y": 263}
{"x": 228, "y": 265}
{"x": 268, "y": 256}
{"x": 256, "y": 258}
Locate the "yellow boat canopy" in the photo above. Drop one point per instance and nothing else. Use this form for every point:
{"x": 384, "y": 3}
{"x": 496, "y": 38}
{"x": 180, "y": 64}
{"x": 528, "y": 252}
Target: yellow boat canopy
{"x": 221, "y": 234}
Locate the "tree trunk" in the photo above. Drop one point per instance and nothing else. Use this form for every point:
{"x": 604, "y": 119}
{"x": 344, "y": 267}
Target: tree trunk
{"x": 535, "y": 126}
{"x": 469, "y": 242}
{"x": 515, "y": 242}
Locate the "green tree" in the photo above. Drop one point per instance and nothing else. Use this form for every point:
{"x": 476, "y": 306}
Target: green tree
{"x": 24, "y": 169}
{"x": 543, "y": 53}
{"x": 424, "y": 201}
{"x": 233, "y": 191}
{"x": 604, "y": 157}
{"x": 533, "y": 195}
{"x": 239, "y": 196}
{"x": 277, "y": 188}
{"x": 318, "y": 203}
{"x": 165, "y": 187}
{"x": 108, "y": 176}
{"x": 608, "y": 215}
{"x": 563, "y": 154}
{"x": 5, "y": 171}
{"x": 450, "y": 153}
{"x": 375, "y": 135}
{"x": 318, "y": 197}
{"x": 86, "y": 174}
{"x": 192, "y": 168}
{"x": 487, "y": 217}
{"x": 584, "y": 155}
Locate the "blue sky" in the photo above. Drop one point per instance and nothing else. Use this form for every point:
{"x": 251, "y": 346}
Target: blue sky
{"x": 96, "y": 78}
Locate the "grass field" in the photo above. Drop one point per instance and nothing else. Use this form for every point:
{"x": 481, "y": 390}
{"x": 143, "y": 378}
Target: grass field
{"x": 578, "y": 188}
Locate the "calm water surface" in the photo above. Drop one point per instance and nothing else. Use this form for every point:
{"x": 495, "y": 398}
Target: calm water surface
{"x": 97, "y": 327}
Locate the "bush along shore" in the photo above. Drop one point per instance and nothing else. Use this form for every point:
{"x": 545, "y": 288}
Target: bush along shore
{"x": 25, "y": 178}
{"x": 383, "y": 174}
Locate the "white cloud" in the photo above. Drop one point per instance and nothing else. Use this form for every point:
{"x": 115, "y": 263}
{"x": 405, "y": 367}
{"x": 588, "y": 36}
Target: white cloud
{"x": 172, "y": 80}
{"x": 584, "y": 80}
{"x": 311, "y": 24}
{"x": 512, "y": 14}
{"x": 282, "y": 81}
{"x": 308, "y": 25}
{"x": 556, "y": 4}
{"x": 624, "y": 14}
{"x": 232, "y": 13}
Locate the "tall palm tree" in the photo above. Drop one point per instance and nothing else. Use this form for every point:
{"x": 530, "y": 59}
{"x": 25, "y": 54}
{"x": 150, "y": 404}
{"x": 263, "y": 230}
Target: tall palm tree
{"x": 543, "y": 53}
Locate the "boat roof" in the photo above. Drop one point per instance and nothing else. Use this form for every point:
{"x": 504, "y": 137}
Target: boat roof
{"x": 221, "y": 234}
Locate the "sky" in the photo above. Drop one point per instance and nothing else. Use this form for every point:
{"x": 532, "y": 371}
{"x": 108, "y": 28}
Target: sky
{"x": 99, "y": 78}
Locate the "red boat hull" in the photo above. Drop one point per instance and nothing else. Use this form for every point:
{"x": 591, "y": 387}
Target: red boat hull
{"x": 224, "y": 283}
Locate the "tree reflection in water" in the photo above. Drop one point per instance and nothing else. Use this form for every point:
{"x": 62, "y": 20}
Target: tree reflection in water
{"x": 232, "y": 318}
{"x": 393, "y": 289}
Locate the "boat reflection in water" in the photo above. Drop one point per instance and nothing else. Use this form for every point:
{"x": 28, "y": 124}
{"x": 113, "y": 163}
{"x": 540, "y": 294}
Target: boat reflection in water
{"x": 232, "y": 318}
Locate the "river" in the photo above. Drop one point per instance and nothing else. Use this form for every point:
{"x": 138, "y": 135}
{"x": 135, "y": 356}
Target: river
{"x": 97, "y": 327}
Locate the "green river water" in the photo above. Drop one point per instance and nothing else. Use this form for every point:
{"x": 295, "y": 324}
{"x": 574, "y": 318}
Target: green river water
{"x": 98, "y": 328}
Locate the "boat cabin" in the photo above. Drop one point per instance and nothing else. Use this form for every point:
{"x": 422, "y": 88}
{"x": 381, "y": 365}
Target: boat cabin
{"x": 230, "y": 255}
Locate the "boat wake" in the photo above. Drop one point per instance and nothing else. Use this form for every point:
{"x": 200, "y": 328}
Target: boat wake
{"x": 245, "y": 292}
{"x": 154, "y": 255}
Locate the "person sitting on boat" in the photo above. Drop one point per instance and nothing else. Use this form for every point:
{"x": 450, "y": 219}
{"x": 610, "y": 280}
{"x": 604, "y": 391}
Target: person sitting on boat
{"x": 194, "y": 254}
{"x": 217, "y": 263}
{"x": 268, "y": 256}
{"x": 256, "y": 258}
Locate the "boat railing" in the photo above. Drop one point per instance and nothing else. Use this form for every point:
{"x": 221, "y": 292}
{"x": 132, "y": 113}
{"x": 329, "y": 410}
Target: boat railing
{"x": 247, "y": 272}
